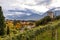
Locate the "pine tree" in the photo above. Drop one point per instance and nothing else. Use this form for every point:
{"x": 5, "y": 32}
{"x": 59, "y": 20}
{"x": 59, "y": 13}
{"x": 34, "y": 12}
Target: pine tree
{"x": 2, "y": 20}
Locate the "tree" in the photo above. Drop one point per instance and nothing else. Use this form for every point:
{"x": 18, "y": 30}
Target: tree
{"x": 8, "y": 30}
{"x": 14, "y": 22}
{"x": 58, "y": 17}
{"x": 2, "y": 22}
{"x": 43, "y": 21}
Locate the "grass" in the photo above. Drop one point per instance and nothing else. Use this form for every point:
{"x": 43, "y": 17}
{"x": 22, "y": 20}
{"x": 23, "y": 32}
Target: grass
{"x": 47, "y": 35}
{"x": 58, "y": 30}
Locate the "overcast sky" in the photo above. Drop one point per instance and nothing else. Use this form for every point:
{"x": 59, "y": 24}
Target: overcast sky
{"x": 37, "y": 5}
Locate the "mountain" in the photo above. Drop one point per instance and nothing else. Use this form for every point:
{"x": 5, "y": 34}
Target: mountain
{"x": 56, "y": 10}
{"x": 26, "y": 14}
{"x": 29, "y": 14}
{"x": 25, "y": 17}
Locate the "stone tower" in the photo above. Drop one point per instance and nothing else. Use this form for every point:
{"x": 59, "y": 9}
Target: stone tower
{"x": 51, "y": 14}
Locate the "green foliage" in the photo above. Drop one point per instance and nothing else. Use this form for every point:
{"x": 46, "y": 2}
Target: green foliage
{"x": 39, "y": 33}
{"x": 57, "y": 17}
{"x": 2, "y": 24}
{"x": 43, "y": 21}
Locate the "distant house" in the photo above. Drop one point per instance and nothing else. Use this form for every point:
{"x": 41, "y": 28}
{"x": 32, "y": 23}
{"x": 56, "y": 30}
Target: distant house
{"x": 20, "y": 24}
{"x": 27, "y": 23}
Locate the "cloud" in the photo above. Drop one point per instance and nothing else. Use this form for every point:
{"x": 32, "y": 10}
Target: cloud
{"x": 43, "y": 2}
{"x": 28, "y": 14}
{"x": 25, "y": 3}
{"x": 54, "y": 3}
{"x": 37, "y": 5}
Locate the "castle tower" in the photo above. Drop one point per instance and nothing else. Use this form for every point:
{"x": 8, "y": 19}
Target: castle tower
{"x": 51, "y": 14}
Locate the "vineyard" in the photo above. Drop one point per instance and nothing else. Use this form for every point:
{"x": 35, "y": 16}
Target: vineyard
{"x": 51, "y": 31}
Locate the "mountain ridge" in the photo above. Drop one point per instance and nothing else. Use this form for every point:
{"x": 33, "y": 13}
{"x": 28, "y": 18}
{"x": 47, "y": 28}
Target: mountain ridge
{"x": 33, "y": 15}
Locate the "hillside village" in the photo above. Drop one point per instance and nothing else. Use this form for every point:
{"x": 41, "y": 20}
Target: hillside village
{"x": 20, "y": 24}
{"x": 29, "y": 23}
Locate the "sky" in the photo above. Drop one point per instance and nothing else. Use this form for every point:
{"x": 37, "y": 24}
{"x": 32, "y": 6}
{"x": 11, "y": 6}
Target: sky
{"x": 37, "y": 5}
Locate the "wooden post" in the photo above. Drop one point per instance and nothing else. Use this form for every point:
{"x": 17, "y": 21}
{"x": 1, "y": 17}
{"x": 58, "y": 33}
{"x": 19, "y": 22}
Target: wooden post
{"x": 56, "y": 36}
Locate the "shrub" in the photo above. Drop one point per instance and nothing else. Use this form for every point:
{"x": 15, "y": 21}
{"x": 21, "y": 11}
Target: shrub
{"x": 57, "y": 17}
{"x": 43, "y": 21}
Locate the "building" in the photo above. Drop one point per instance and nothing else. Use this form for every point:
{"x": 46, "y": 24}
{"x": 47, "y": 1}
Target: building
{"x": 28, "y": 23}
{"x": 20, "y": 24}
{"x": 51, "y": 14}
